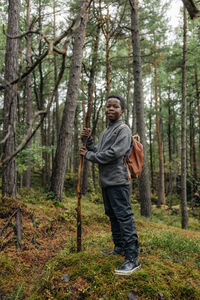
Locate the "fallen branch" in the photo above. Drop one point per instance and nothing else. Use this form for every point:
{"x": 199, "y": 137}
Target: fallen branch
{"x": 34, "y": 234}
{"x": 7, "y": 234}
{"x": 8, "y": 222}
{"x": 18, "y": 228}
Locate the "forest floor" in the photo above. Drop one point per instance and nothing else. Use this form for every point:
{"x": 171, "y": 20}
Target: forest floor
{"x": 48, "y": 267}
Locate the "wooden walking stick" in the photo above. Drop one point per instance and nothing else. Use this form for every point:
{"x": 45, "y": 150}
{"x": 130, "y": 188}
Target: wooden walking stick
{"x": 79, "y": 225}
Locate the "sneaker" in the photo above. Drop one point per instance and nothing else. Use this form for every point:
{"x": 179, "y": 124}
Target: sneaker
{"x": 116, "y": 251}
{"x": 128, "y": 267}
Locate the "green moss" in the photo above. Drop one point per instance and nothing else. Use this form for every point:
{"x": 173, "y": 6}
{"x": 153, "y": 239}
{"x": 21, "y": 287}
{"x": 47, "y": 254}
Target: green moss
{"x": 170, "y": 256}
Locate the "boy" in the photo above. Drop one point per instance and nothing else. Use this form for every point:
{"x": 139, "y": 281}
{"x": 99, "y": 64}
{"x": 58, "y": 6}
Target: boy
{"x": 114, "y": 143}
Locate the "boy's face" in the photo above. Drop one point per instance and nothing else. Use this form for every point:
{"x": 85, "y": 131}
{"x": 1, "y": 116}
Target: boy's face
{"x": 113, "y": 109}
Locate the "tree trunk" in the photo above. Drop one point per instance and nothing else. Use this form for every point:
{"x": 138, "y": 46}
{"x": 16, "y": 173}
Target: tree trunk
{"x": 41, "y": 98}
{"x": 191, "y": 8}
{"x": 144, "y": 187}
{"x": 161, "y": 179}
{"x": 84, "y": 186}
{"x": 170, "y": 152}
{"x": 65, "y": 136}
{"x": 184, "y": 212}
{"x": 28, "y": 87}
{"x": 198, "y": 103}
{"x": 128, "y": 83}
{"x": 193, "y": 165}
{"x": 108, "y": 68}
{"x": 19, "y": 228}
{"x": 95, "y": 120}
{"x": 106, "y": 32}
{"x": 9, "y": 174}
{"x": 56, "y": 75}
{"x": 76, "y": 145}
{"x": 151, "y": 148}
{"x": 48, "y": 166}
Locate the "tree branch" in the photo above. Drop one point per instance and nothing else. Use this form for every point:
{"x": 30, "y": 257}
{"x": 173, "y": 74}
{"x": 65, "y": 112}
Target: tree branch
{"x": 68, "y": 33}
{"x": 191, "y": 8}
{"x": 7, "y": 135}
{"x": 30, "y": 132}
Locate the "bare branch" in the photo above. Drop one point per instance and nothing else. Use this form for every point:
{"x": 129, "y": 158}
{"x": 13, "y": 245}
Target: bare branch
{"x": 30, "y": 132}
{"x": 68, "y": 33}
{"x": 21, "y": 35}
{"x": 7, "y": 135}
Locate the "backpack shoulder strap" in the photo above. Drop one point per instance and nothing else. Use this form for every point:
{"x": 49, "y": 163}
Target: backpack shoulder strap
{"x": 121, "y": 125}
{"x": 136, "y": 137}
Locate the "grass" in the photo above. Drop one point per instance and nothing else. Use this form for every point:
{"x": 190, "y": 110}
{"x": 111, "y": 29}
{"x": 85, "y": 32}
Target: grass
{"x": 170, "y": 256}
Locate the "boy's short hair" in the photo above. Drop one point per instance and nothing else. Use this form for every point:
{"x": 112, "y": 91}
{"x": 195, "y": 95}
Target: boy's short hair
{"x": 122, "y": 102}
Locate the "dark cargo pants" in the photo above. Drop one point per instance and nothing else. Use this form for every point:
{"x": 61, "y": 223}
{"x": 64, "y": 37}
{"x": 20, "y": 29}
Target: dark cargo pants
{"x": 118, "y": 209}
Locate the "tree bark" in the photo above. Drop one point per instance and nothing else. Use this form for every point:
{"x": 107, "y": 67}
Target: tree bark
{"x": 198, "y": 103}
{"x": 128, "y": 83}
{"x": 184, "y": 213}
{"x": 84, "y": 186}
{"x": 193, "y": 165}
{"x": 41, "y": 99}
{"x": 191, "y": 8}
{"x": 9, "y": 174}
{"x": 76, "y": 144}
{"x": 161, "y": 179}
{"x": 107, "y": 36}
{"x": 144, "y": 187}
{"x": 48, "y": 166}
{"x": 56, "y": 75}
{"x": 28, "y": 87}
{"x": 106, "y": 32}
{"x": 170, "y": 152}
{"x": 151, "y": 148}
{"x": 19, "y": 228}
{"x": 65, "y": 136}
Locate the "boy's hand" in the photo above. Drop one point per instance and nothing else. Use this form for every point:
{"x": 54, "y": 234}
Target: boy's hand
{"x": 83, "y": 151}
{"x": 85, "y": 133}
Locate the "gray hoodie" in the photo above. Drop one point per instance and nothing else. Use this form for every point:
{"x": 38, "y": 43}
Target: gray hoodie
{"x": 114, "y": 143}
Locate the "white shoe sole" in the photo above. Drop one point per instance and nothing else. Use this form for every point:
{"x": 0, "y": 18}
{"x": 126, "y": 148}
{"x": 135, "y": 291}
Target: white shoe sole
{"x": 118, "y": 272}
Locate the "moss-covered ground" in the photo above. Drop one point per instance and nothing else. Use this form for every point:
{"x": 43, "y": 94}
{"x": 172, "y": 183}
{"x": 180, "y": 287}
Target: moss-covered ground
{"x": 48, "y": 267}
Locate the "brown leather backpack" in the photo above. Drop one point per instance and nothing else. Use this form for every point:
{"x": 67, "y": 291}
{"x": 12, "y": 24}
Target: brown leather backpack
{"x": 135, "y": 160}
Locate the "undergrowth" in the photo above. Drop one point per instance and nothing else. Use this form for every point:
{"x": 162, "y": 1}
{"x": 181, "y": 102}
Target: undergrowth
{"x": 51, "y": 268}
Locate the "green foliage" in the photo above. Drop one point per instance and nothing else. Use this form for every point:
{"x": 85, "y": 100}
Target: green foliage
{"x": 32, "y": 155}
{"x": 30, "y": 195}
{"x": 70, "y": 183}
{"x": 95, "y": 197}
{"x": 172, "y": 245}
